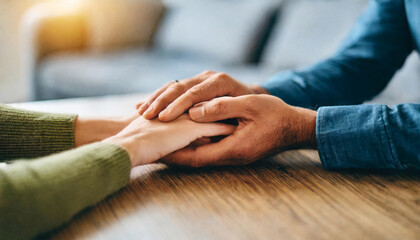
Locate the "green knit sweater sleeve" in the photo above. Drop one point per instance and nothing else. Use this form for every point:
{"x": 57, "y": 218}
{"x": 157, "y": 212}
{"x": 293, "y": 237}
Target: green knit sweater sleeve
{"x": 26, "y": 134}
{"x": 38, "y": 195}
{"x": 43, "y": 193}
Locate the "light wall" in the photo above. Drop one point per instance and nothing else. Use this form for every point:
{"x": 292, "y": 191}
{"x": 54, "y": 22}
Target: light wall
{"x": 12, "y": 86}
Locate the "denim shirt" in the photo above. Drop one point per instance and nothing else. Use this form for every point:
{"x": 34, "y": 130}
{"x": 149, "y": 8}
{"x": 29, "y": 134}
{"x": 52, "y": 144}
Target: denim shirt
{"x": 362, "y": 136}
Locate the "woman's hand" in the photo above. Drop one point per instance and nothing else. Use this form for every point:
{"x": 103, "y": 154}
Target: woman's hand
{"x": 149, "y": 140}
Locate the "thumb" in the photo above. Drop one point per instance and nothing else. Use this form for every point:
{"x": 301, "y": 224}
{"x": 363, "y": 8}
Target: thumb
{"x": 218, "y": 109}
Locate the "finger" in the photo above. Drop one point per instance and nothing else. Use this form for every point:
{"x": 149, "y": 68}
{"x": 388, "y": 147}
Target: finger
{"x": 213, "y": 87}
{"x": 205, "y": 131}
{"x": 200, "y": 141}
{"x": 220, "y": 109}
{"x": 215, "y": 129}
{"x": 167, "y": 97}
{"x": 138, "y": 105}
{"x": 164, "y": 99}
{"x": 153, "y": 97}
{"x": 205, "y": 155}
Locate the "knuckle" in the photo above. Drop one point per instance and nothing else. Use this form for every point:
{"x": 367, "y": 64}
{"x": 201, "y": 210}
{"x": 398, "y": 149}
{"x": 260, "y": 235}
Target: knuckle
{"x": 166, "y": 85}
{"x": 246, "y": 106}
{"x": 215, "y": 83}
{"x": 217, "y": 107}
{"x": 179, "y": 87}
{"x": 194, "y": 92}
{"x": 207, "y": 72}
{"x": 252, "y": 98}
{"x": 251, "y": 101}
{"x": 222, "y": 75}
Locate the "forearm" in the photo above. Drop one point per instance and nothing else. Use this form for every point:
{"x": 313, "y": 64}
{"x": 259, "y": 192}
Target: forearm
{"x": 38, "y": 195}
{"x": 30, "y": 134}
{"x": 341, "y": 80}
{"x": 89, "y": 130}
{"x": 376, "y": 48}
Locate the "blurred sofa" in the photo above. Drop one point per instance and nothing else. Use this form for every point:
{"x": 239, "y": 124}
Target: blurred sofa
{"x": 127, "y": 46}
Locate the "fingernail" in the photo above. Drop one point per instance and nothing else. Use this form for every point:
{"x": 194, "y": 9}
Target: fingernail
{"x": 163, "y": 113}
{"x": 162, "y": 116}
{"x": 196, "y": 112}
{"x": 199, "y": 104}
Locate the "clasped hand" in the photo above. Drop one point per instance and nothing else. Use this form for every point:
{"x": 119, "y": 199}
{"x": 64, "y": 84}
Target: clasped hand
{"x": 266, "y": 124}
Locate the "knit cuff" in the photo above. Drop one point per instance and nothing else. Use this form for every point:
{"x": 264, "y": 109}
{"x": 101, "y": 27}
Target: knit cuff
{"x": 43, "y": 193}
{"x": 26, "y": 134}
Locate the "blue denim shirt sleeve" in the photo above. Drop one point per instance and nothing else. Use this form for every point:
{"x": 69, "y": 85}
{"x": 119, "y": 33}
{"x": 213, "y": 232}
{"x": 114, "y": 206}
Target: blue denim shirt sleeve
{"x": 359, "y": 136}
{"x": 375, "y": 49}
{"x": 369, "y": 136}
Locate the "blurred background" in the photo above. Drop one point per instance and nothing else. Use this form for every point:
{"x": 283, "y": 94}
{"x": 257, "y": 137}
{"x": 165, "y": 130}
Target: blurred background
{"x": 51, "y": 49}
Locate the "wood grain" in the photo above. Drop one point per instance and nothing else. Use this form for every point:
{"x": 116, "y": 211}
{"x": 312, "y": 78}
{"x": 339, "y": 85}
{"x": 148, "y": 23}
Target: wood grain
{"x": 289, "y": 196}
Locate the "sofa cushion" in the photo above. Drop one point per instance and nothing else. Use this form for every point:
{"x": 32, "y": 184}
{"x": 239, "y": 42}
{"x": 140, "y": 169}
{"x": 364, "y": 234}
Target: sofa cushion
{"x": 225, "y": 30}
{"x": 310, "y": 30}
{"x": 135, "y": 70}
{"x": 113, "y": 24}
{"x": 125, "y": 71}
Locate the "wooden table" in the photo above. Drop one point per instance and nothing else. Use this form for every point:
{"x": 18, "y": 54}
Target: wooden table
{"x": 289, "y": 196}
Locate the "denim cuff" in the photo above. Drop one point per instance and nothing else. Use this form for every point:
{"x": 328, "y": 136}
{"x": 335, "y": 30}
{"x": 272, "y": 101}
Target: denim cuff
{"x": 355, "y": 137}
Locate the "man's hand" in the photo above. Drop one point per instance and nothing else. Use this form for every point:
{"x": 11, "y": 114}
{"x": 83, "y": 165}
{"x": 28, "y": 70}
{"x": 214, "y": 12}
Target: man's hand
{"x": 266, "y": 126}
{"x": 175, "y": 98}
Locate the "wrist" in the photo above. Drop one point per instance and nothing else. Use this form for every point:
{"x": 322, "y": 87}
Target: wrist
{"x": 126, "y": 144}
{"x": 136, "y": 146}
{"x": 305, "y": 131}
{"x": 90, "y": 130}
